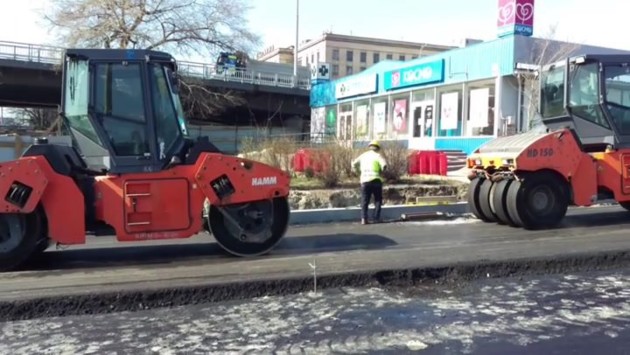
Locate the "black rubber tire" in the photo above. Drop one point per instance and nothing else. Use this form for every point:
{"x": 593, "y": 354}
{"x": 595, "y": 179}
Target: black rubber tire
{"x": 473, "y": 199}
{"x": 498, "y": 201}
{"x": 521, "y": 201}
{"x": 44, "y": 242}
{"x": 27, "y": 243}
{"x": 484, "y": 200}
{"x": 236, "y": 247}
{"x": 511, "y": 202}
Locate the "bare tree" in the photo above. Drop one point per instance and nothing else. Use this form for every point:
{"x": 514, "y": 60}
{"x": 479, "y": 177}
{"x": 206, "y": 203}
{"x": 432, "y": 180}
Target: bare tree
{"x": 545, "y": 50}
{"x": 199, "y": 100}
{"x": 183, "y": 26}
{"x": 37, "y": 118}
{"x": 202, "y": 27}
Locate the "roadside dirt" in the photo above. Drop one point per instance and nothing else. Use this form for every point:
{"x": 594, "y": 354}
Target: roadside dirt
{"x": 392, "y": 195}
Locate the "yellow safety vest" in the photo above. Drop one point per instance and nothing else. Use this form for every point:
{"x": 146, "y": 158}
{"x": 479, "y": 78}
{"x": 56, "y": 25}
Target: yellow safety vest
{"x": 371, "y": 164}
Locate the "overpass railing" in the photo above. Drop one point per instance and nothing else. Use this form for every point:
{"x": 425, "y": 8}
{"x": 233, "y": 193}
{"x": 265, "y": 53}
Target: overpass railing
{"x": 26, "y": 52}
{"x": 36, "y": 53}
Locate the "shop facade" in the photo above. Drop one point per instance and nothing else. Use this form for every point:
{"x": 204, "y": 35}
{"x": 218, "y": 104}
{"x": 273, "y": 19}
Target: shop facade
{"x": 456, "y": 100}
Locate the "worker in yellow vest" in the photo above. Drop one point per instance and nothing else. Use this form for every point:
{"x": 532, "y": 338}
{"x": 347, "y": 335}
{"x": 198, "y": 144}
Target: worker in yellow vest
{"x": 371, "y": 164}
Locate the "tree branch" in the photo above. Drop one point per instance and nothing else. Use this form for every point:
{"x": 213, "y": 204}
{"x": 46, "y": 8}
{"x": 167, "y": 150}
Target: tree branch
{"x": 203, "y": 27}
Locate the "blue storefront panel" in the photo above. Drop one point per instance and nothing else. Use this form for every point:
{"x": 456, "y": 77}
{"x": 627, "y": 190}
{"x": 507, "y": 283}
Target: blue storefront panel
{"x": 476, "y": 62}
{"x": 323, "y": 94}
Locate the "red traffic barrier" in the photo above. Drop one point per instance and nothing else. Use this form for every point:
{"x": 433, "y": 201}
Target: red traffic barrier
{"x": 312, "y": 159}
{"x": 413, "y": 167}
{"x": 427, "y": 162}
{"x": 442, "y": 163}
{"x": 298, "y": 161}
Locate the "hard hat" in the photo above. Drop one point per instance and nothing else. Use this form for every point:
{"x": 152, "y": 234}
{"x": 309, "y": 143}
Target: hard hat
{"x": 374, "y": 143}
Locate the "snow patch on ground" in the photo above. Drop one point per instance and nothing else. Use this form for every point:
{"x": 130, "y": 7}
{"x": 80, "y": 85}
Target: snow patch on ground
{"x": 346, "y": 320}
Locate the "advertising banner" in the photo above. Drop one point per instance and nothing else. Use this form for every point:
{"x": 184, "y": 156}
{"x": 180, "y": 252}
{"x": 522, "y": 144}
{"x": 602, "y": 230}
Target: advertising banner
{"x": 318, "y": 123}
{"x": 515, "y": 17}
{"x": 399, "y": 119}
{"x": 449, "y": 111}
{"x": 479, "y": 108}
{"x": 380, "y": 117}
{"x": 362, "y": 121}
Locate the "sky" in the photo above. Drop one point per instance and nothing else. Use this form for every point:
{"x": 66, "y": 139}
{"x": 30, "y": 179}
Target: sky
{"x": 429, "y": 21}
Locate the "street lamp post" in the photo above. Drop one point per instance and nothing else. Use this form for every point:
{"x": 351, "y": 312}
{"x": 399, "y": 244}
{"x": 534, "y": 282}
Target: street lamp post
{"x": 297, "y": 32}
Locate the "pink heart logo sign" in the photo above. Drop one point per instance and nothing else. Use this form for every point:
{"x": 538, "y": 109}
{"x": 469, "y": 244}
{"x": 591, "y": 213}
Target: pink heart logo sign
{"x": 525, "y": 13}
{"x": 507, "y": 9}
{"x": 515, "y": 17}
{"x": 395, "y": 79}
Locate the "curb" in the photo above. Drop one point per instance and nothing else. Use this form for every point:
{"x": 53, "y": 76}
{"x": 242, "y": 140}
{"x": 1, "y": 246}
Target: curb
{"x": 388, "y": 213}
{"x": 395, "y": 213}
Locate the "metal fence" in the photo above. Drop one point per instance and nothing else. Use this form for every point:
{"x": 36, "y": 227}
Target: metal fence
{"x": 26, "y": 52}
{"x": 36, "y": 53}
{"x": 236, "y": 139}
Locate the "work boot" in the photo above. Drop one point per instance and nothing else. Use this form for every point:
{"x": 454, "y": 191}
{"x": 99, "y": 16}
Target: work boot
{"x": 364, "y": 221}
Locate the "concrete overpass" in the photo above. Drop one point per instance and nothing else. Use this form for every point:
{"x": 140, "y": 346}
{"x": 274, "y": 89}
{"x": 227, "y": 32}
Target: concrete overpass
{"x": 30, "y": 76}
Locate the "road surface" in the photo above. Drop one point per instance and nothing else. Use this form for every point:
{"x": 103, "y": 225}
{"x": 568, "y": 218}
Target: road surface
{"x": 334, "y": 249}
{"x": 584, "y": 313}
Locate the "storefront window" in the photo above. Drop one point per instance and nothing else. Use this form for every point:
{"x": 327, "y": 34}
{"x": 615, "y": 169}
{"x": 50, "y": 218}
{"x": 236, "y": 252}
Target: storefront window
{"x": 331, "y": 122}
{"x": 379, "y": 117}
{"x": 344, "y": 122}
{"x": 362, "y": 120}
{"x": 480, "y": 111}
{"x": 449, "y": 116}
{"x": 421, "y": 113}
{"x": 398, "y": 116}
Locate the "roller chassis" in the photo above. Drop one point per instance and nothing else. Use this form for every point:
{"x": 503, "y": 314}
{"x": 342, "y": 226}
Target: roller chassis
{"x": 579, "y": 154}
{"x": 149, "y": 179}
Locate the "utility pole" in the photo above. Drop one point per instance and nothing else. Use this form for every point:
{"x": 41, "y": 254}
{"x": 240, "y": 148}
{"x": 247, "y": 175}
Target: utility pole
{"x": 297, "y": 38}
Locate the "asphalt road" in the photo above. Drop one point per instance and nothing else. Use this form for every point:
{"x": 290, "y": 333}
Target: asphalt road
{"x": 584, "y": 313}
{"x": 345, "y": 248}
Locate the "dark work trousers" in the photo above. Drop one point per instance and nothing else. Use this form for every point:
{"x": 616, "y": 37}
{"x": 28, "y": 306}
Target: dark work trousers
{"x": 369, "y": 189}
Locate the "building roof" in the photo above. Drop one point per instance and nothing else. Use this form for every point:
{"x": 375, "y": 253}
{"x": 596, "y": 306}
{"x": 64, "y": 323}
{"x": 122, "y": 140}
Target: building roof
{"x": 329, "y": 36}
{"x": 478, "y": 61}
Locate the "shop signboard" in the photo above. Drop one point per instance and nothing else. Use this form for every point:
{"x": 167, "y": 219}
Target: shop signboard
{"x": 515, "y": 17}
{"x": 320, "y": 72}
{"x": 362, "y": 84}
{"x": 421, "y": 74}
